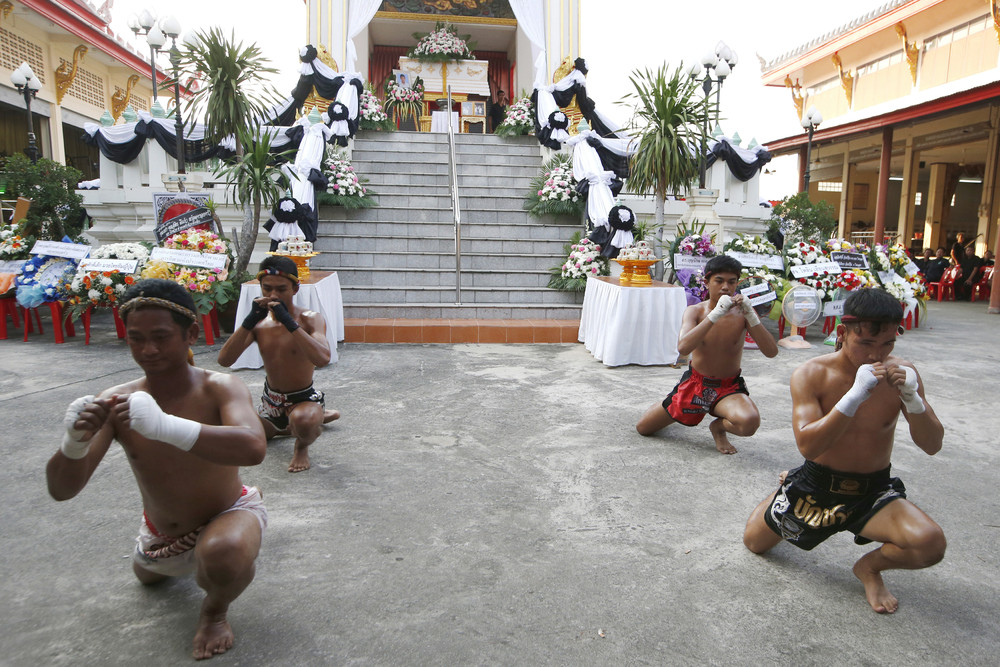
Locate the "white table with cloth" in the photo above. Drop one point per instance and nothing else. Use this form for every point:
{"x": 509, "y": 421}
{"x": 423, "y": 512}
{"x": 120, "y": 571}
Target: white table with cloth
{"x": 631, "y": 325}
{"x": 320, "y": 291}
{"x": 439, "y": 121}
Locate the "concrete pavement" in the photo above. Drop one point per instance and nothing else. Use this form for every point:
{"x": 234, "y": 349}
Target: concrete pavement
{"x": 493, "y": 504}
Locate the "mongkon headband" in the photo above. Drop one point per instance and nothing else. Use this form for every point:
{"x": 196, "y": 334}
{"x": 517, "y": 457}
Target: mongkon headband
{"x": 132, "y": 304}
{"x": 271, "y": 271}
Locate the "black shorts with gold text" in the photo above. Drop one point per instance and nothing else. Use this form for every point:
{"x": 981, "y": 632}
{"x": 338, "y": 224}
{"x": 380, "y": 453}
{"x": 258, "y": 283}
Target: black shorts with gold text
{"x": 815, "y": 502}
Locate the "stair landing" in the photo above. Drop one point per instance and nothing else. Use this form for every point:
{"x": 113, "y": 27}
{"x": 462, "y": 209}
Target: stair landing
{"x": 390, "y": 330}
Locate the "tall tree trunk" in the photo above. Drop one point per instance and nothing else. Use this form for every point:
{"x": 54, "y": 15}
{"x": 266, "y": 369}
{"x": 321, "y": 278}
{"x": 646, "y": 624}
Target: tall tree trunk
{"x": 658, "y": 199}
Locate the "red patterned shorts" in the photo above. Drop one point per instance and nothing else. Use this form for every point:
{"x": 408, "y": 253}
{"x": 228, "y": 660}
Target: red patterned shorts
{"x": 696, "y": 395}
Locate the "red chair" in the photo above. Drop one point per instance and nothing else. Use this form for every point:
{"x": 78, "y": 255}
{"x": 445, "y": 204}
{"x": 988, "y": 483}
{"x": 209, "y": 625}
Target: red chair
{"x": 981, "y": 290}
{"x": 945, "y": 288}
{"x": 8, "y": 308}
{"x": 58, "y": 326}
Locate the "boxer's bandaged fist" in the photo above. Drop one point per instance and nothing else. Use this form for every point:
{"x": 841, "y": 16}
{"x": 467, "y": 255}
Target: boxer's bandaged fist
{"x": 282, "y": 315}
{"x": 257, "y": 313}
{"x": 749, "y": 313}
{"x": 908, "y": 392}
{"x": 864, "y": 382}
{"x": 148, "y": 420}
{"x": 721, "y": 308}
{"x": 72, "y": 447}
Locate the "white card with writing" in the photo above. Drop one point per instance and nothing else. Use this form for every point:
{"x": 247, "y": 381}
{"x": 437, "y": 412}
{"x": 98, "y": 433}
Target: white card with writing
{"x": 691, "y": 262}
{"x": 807, "y": 270}
{"x": 763, "y": 298}
{"x": 113, "y": 265}
{"x": 755, "y": 289}
{"x": 60, "y": 249}
{"x": 753, "y": 259}
{"x": 834, "y": 308}
{"x": 12, "y": 265}
{"x": 887, "y": 277}
{"x": 189, "y": 258}
{"x": 911, "y": 269}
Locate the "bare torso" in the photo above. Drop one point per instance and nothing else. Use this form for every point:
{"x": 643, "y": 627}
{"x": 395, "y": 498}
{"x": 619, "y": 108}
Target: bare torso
{"x": 287, "y": 366}
{"x": 720, "y": 353}
{"x": 180, "y": 492}
{"x": 866, "y": 445}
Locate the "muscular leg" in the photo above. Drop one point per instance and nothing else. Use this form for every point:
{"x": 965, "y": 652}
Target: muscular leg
{"x": 757, "y": 536}
{"x": 225, "y": 554}
{"x": 735, "y": 414}
{"x": 306, "y": 422}
{"x": 911, "y": 540}
{"x": 655, "y": 419}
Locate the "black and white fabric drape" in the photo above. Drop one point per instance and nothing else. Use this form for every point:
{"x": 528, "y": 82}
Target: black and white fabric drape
{"x": 600, "y": 167}
{"x": 287, "y": 219}
{"x": 743, "y": 163}
{"x": 123, "y": 143}
{"x": 306, "y": 174}
{"x": 547, "y": 101}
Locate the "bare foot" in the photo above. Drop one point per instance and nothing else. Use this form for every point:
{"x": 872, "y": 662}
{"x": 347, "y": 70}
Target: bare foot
{"x": 721, "y": 441}
{"x": 300, "y": 460}
{"x": 877, "y": 594}
{"x": 330, "y": 416}
{"x": 214, "y": 637}
{"x": 782, "y": 476}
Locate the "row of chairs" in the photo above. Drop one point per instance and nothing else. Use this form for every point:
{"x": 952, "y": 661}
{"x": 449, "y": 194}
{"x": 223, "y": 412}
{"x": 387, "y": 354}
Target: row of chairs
{"x": 944, "y": 289}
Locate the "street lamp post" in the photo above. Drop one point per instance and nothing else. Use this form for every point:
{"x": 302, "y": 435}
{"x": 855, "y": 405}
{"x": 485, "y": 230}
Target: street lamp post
{"x": 172, "y": 28}
{"x": 28, "y": 85}
{"x": 144, "y": 23}
{"x": 810, "y": 121}
{"x": 721, "y": 63}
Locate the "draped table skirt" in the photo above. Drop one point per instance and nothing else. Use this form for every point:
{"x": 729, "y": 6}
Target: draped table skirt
{"x": 631, "y": 325}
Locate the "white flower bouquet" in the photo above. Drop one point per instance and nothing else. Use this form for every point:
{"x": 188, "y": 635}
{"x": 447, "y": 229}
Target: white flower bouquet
{"x": 372, "y": 115}
{"x": 344, "y": 187}
{"x": 553, "y": 192}
{"x": 103, "y": 289}
{"x": 584, "y": 260}
{"x": 751, "y": 244}
{"x": 519, "y": 119}
{"x": 442, "y": 45}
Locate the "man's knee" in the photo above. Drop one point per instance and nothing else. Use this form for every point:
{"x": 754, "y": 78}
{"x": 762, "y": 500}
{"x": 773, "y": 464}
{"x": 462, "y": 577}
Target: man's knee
{"x": 307, "y": 423}
{"x": 929, "y": 543}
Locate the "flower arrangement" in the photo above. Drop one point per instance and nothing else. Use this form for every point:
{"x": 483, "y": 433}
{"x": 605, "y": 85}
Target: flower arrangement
{"x": 584, "y": 260}
{"x": 553, "y": 192}
{"x": 803, "y": 252}
{"x": 372, "y": 116}
{"x": 701, "y": 245}
{"x": 901, "y": 290}
{"x": 755, "y": 244}
{"x": 404, "y": 102}
{"x": 43, "y": 279}
{"x": 843, "y": 245}
{"x": 103, "y": 289}
{"x": 208, "y": 287}
{"x": 825, "y": 285}
{"x": 851, "y": 280}
{"x": 442, "y": 45}
{"x": 519, "y": 119}
{"x": 14, "y": 244}
{"x": 344, "y": 187}
{"x": 878, "y": 258}
{"x": 694, "y": 285}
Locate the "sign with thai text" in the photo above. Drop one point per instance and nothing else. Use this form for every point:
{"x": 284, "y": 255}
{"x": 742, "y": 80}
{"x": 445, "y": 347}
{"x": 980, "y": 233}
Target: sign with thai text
{"x": 753, "y": 259}
{"x": 690, "y": 262}
{"x": 849, "y": 260}
{"x": 190, "y": 258}
{"x": 113, "y": 265}
{"x": 808, "y": 270}
{"x": 60, "y": 249}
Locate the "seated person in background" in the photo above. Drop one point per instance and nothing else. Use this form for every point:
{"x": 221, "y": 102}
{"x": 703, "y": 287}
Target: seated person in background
{"x": 713, "y": 333}
{"x": 988, "y": 258}
{"x": 935, "y": 267}
{"x": 923, "y": 261}
{"x": 293, "y": 344}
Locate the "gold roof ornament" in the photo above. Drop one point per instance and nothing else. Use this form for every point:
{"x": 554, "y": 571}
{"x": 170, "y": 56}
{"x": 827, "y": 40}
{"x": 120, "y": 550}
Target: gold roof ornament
{"x": 66, "y": 72}
{"x": 995, "y": 13}
{"x": 6, "y": 7}
{"x": 572, "y": 110}
{"x": 120, "y": 100}
{"x": 798, "y": 99}
{"x": 910, "y": 49}
{"x": 846, "y": 78}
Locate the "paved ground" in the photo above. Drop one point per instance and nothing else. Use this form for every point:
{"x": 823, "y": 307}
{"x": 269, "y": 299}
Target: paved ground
{"x": 492, "y": 504}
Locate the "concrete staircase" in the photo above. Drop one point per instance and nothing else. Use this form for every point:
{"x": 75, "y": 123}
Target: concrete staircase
{"x": 398, "y": 260}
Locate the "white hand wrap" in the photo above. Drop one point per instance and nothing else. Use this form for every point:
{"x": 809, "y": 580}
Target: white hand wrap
{"x": 749, "y": 313}
{"x": 908, "y": 393}
{"x": 721, "y": 308}
{"x": 72, "y": 447}
{"x": 148, "y": 420}
{"x": 864, "y": 382}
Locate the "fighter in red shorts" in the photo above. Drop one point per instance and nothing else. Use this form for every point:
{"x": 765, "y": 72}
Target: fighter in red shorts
{"x": 713, "y": 333}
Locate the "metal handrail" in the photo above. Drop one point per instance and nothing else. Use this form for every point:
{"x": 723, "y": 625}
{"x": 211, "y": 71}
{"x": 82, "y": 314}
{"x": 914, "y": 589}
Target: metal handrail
{"x": 453, "y": 166}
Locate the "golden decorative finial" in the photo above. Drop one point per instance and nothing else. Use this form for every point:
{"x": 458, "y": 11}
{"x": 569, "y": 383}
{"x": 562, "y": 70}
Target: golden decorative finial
{"x": 846, "y": 78}
{"x": 910, "y": 50}
{"x": 798, "y": 99}
{"x": 994, "y": 12}
{"x": 572, "y": 110}
{"x": 315, "y": 100}
{"x": 121, "y": 97}
{"x": 66, "y": 72}
{"x": 6, "y": 7}
{"x": 324, "y": 55}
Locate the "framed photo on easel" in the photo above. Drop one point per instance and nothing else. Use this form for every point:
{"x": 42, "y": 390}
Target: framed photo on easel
{"x": 402, "y": 78}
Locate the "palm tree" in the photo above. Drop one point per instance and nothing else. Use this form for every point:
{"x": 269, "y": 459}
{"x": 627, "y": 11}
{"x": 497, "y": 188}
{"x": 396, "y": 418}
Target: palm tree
{"x": 669, "y": 114}
{"x": 234, "y": 99}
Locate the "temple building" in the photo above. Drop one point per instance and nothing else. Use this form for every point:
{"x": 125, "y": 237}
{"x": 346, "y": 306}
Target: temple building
{"x": 907, "y": 148}
{"x": 84, "y": 69}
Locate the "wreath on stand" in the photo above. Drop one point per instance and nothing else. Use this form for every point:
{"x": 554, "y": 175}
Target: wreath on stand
{"x": 44, "y": 279}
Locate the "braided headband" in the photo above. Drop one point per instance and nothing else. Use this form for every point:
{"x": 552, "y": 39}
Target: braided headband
{"x": 270, "y": 271}
{"x": 854, "y": 319}
{"x": 138, "y": 301}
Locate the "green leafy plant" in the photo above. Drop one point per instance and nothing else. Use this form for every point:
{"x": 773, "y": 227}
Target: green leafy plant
{"x": 801, "y": 220}
{"x": 56, "y": 208}
{"x": 553, "y": 191}
{"x": 669, "y": 114}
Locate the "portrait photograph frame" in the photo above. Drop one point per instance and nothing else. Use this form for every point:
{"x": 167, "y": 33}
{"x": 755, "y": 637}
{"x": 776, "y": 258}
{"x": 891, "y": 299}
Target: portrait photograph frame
{"x": 403, "y": 79}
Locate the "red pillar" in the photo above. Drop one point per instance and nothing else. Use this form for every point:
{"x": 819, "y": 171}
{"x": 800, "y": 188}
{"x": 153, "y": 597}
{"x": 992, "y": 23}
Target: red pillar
{"x": 883, "y": 184}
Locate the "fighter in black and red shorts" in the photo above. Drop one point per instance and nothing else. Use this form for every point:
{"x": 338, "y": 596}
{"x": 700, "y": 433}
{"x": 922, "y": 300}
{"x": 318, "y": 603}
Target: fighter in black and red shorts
{"x": 695, "y": 396}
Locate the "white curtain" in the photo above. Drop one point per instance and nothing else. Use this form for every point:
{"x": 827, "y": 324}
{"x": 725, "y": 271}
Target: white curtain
{"x": 358, "y": 16}
{"x": 531, "y": 18}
